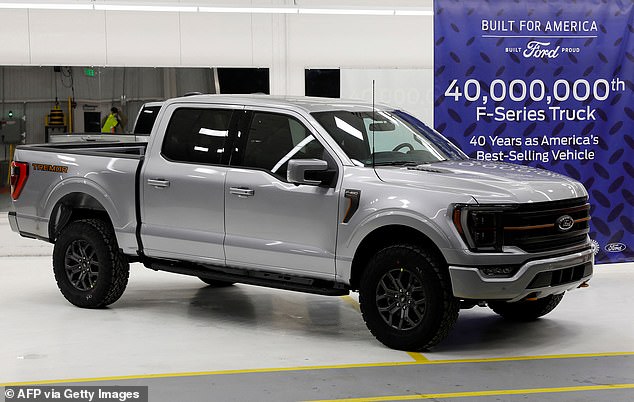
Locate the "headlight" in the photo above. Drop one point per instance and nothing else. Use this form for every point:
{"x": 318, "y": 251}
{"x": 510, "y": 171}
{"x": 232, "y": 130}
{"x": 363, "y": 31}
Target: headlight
{"x": 481, "y": 227}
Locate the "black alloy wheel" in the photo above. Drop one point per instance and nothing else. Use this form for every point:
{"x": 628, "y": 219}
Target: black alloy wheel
{"x": 82, "y": 265}
{"x": 400, "y": 299}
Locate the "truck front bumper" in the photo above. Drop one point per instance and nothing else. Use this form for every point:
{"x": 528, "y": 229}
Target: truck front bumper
{"x": 537, "y": 278}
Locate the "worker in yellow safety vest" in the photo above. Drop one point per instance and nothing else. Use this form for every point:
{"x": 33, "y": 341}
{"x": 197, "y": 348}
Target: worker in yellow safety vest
{"x": 111, "y": 122}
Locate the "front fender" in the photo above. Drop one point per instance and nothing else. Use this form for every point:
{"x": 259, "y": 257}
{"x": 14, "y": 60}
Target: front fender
{"x": 427, "y": 211}
{"x": 349, "y": 244}
{"x": 399, "y": 217}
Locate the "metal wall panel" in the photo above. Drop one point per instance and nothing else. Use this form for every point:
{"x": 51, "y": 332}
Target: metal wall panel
{"x": 31, "y": 91}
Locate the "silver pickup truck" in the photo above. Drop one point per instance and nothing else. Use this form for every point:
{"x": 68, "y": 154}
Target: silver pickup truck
{"x": 313, "y": 195}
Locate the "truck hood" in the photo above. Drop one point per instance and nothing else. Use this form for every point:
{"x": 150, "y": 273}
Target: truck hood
{"x": 486, "y": 182}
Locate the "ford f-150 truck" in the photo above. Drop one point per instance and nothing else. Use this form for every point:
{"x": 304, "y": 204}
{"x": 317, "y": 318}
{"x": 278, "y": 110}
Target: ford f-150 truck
{"x": 313, "y": 195}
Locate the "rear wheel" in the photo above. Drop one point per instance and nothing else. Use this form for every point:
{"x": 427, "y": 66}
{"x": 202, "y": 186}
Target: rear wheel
{"x": 406, "y": 299}
{"x": 215, "y": 283}
{"x": 89, "y": 269}
{"x": 526, "y": 310}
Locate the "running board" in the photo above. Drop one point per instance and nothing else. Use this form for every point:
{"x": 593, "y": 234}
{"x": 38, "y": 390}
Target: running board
{"x": 251, "y": 277}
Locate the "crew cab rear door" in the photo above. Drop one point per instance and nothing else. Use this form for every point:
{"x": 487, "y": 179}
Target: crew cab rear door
{"x": 183, "y": 183}
{"x": 272, "y": 224}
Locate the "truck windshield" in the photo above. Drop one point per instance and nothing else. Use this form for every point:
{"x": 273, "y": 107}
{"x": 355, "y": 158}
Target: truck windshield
{"x": 386, "y": 138}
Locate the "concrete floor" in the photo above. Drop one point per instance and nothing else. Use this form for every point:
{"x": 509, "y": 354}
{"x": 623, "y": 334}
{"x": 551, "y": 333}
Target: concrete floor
{"x": 190, "y": 342}
{"x": 5, "y": 199}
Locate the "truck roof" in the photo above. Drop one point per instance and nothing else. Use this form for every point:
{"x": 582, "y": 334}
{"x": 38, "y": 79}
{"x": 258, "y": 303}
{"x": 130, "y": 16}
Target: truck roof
{"x": 304, "y": 103}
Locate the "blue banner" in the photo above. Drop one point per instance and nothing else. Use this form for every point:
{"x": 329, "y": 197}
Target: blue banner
{"x": 547, "y": 84}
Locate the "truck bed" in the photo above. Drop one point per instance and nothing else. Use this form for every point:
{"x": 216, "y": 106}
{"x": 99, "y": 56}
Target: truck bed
{"x": 99, "y": 176}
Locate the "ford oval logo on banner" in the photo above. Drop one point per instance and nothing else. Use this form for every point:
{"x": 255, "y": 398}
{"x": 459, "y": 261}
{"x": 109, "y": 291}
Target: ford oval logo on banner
{"x": 547, "y": 84}
{"x": 615, "y": 247}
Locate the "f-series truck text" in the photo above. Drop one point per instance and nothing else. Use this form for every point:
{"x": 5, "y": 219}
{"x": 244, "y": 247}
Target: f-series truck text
{"x": 310, "y": 195}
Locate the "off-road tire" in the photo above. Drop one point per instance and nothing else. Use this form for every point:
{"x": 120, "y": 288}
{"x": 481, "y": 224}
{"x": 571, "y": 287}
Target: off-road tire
{"x": 526, "y": 310}
{"x": 215, "y": 283}
{"x": 431, "y": 310}
{"x": 89, "y": 247}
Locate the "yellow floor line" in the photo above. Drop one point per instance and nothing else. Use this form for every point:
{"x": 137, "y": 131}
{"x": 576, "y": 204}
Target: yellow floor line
{"x": 418, "y": 357}
{"x": 308, "y": 368}
{"x": 522, "y": 358}
{"x": 352, "y": 302}
{"x": 499, "y": 392}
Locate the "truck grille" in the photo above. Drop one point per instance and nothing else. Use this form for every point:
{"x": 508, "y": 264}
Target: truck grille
{"x": 547, "y": 226}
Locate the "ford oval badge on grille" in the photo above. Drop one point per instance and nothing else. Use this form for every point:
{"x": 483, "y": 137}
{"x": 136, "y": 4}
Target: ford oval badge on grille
{"x": 564, "y": 223}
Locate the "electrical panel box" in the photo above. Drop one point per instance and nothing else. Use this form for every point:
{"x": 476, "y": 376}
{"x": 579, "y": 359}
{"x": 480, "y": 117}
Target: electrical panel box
{"x": 11, "y": 131}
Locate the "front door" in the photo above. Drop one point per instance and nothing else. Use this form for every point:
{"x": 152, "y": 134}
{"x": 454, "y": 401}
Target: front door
{"x": 272, "y": 224}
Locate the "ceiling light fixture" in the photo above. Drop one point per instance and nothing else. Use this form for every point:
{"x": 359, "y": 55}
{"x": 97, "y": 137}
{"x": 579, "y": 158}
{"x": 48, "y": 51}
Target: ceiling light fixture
{"x": 175, "y": 7}
{"x": 254, "y": 10}
{"x": 47, "y": 6}
{"x": 121, "y": 7}
{"x": 429, "y": 12}
{"x": 345, "y": 11}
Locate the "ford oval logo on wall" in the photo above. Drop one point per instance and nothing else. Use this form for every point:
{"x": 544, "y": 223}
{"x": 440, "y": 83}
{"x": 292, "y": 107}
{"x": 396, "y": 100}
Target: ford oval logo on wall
{"x": 615, "y": 247}
{"x": 564, "y": 223}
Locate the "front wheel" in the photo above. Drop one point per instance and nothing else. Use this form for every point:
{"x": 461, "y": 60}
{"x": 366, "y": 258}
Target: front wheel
{"x": 526, "y": 310}
{"x": 89, "y": 269}
{"x": 406, "y": 298}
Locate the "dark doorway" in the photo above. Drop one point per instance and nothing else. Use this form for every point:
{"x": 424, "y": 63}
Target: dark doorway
{"x": 244, "y": 80}
{"x": 92, "y": 122}
{"x": 324, "y": 82}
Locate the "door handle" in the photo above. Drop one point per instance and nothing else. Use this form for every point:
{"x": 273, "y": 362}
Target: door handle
{"x": 158, "y": 183}
{"x": 242, "y": 191}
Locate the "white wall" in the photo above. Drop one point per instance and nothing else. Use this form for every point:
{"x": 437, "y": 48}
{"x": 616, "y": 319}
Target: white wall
{"x": 287, "y": 44}
{"x": 406, "y": 89}
{"x": 357, "y": 42}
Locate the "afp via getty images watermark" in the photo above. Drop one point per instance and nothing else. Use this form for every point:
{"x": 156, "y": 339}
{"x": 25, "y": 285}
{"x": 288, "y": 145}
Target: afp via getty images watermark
{"x": 76, "y": 394}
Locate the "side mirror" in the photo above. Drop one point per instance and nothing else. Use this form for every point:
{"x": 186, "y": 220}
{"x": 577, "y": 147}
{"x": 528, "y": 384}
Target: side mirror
{"x": 307, "y": 171}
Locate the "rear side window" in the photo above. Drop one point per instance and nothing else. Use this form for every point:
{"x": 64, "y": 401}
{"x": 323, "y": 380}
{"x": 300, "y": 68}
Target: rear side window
{"x": 146, "y": 119}
{"x": 197, "y": 135}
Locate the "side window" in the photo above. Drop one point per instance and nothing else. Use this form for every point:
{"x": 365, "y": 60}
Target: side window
{"x": 146, "y": 119}
{"x": 197, "y": 135}
{"x": 348, "y": 130}
{"x": 274, "y": 139}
